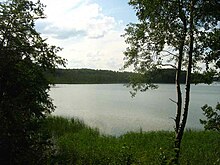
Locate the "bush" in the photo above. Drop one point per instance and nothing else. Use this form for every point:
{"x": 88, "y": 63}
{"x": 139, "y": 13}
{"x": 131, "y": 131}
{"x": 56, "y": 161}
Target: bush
{"x": 213, "y": 117}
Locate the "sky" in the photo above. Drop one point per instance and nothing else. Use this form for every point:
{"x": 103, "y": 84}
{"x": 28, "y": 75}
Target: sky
{"x": 89, "y": 31}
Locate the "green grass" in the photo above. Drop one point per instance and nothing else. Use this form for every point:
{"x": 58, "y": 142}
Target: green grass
{"x": 77, "y": 143}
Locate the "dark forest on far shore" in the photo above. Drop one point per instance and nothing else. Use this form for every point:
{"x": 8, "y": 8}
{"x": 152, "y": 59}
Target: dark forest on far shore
{"x": 91, "y": 76}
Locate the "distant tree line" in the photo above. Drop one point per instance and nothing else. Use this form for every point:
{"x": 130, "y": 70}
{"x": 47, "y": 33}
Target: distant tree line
{"x": 90, "y": 76}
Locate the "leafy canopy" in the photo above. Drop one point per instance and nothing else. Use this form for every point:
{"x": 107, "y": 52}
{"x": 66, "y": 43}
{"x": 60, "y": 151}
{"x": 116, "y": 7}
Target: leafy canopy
{"x": 164, "y": 26}
{"x": 181, "y": 34}
{"x": 24, "y": 98}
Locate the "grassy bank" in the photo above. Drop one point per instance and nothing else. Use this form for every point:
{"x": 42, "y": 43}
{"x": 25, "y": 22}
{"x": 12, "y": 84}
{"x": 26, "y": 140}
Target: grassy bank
{"x": 76, "y": 143}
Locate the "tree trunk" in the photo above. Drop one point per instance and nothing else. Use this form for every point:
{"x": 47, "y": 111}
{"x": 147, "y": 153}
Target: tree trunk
{"x": 188, "y": 77}
{"x": 179, "y": 100}
{"x": 179, "y": 66}
{"x": 181, "y": 126}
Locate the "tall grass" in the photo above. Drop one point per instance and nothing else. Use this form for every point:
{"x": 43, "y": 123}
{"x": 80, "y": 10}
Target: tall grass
{"x": 59, "y": 126}
{"x": 77, "y": 143}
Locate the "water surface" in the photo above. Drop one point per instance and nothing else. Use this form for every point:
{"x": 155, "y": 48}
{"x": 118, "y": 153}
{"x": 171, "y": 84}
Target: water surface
{"x": 111, "y": 109}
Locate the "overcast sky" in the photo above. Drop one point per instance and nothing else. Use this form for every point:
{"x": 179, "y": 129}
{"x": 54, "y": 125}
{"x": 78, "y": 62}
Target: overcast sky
{"x": 89, "y": 31}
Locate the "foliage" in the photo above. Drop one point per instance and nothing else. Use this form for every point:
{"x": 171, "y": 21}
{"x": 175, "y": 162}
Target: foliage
{"x": 155, "y": 40}
{"x": 180, "y": 34}
{"x": 213, "y": 117}
{"x": 206, "y": 77}
{"x": 88, "y": 76}
{"x": 76, "y": 143}
{"x": 24, "y": 98}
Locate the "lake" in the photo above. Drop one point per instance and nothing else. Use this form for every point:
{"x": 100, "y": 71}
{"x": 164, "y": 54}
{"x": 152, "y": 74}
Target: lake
{"x": 111, "y": 109}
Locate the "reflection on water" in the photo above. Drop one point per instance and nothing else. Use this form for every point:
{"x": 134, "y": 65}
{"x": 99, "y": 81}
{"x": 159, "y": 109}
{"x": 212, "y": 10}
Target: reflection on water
{"x": 110, "y": 107}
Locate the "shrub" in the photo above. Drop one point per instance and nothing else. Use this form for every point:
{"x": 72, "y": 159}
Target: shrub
{"x": 213, "y": 117}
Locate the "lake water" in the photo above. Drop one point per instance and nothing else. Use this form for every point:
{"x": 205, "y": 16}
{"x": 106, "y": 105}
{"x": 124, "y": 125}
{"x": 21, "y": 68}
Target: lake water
{"x": 111, "y": 109}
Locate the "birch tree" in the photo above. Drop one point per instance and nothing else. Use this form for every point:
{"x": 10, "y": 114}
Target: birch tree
{"x": 181, "y": 34}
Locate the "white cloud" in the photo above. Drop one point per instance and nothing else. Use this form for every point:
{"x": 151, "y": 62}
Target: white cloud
{"x": 90, "y": 39}
{"x": 79, "y": 15}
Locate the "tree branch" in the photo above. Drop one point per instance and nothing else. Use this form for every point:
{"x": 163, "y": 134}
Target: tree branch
{"x": 171, "y": 65}
{"x": 170, "y": 53}
{"x": 173, "y": 100}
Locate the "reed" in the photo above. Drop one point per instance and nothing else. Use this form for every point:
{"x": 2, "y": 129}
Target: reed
{"x": 77, "y": 143}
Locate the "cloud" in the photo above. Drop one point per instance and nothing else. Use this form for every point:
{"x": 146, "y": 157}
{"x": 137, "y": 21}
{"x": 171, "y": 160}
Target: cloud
{"x": 98, "y": 27}
{"x": 90, "y": 38}
{"x": 99, "y": 53}
{"x": 80, "y": 17}
{"x": 65, "y": 34}
{"x": 50, "y": 30}
{"x": 76, "y": 63}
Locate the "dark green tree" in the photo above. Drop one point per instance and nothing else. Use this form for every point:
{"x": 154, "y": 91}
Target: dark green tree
{"x": 24, "y": 98}
{"x": 179, "y": 34}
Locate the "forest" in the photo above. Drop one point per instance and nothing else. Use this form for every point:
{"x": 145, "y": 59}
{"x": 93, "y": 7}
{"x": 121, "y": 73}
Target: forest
{"x": 91, "y": 76}
{"x": 88, "y": 76}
